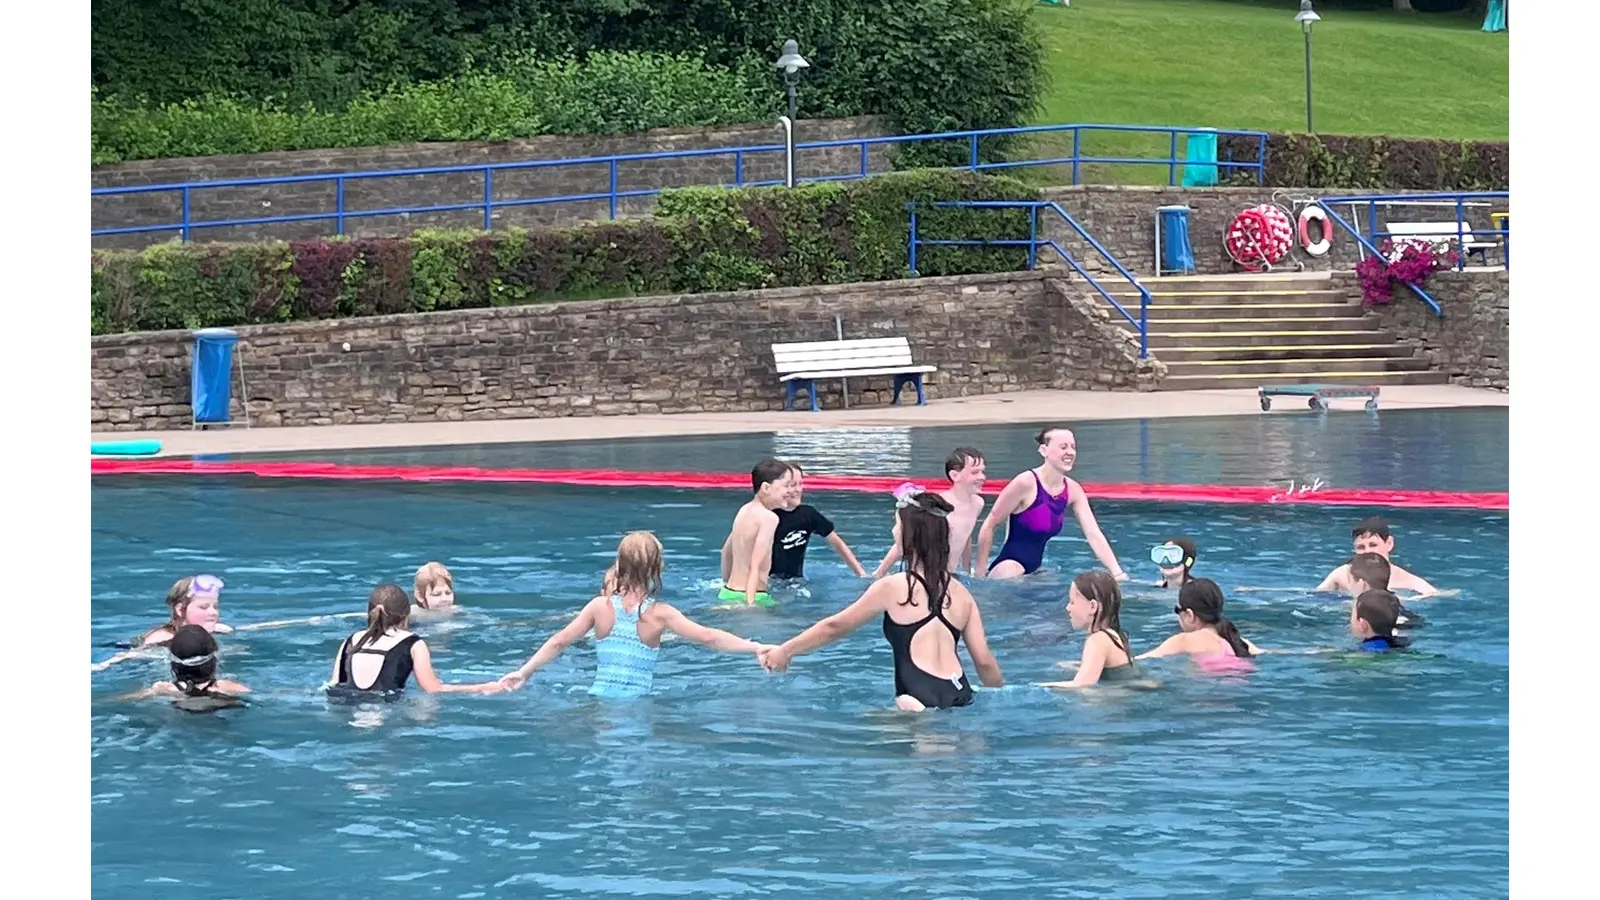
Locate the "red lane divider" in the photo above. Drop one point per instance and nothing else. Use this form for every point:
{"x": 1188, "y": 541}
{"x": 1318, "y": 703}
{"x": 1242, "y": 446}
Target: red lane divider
{"x": 1171, "y": 493}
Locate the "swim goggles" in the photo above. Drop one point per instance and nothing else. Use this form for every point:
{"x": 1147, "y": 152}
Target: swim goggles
{"x": 204, "y": 586}
{"x": 193, "y": 662}
{"x": 1167, "y": 556}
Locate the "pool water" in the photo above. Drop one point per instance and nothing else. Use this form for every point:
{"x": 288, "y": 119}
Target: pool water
{"x": 1317, "y": 776}
{"x": 1432, "y": 449}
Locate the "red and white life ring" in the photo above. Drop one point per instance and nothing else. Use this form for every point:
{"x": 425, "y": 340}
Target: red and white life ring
{"x": 1319, "y": 247}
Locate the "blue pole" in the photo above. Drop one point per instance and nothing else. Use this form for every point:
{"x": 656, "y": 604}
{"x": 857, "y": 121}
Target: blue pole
{"x": 913, "y": 240}
{"x": 613, "y": 190}
{"x": 1461, "y": 236}
{"x": 338, "y": 206}
{"x": 184, "y": 231}
{"x": 1172, "y": 161}
{"x": 1033, "y": 237}
{"x": 488, "y": 199}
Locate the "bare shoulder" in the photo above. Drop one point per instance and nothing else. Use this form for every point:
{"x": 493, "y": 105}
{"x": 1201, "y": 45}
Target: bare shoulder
{"x": 160, "y": 636}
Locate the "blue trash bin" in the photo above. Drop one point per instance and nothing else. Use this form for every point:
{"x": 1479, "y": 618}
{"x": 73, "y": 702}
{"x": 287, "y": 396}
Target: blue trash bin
{"x": 1200, "y": 154}
{"x": 211, "y": 380}
{"x": 1173, "y": 253}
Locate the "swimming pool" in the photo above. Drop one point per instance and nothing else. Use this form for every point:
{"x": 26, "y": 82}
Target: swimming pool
{"x": 1313, "y": 777}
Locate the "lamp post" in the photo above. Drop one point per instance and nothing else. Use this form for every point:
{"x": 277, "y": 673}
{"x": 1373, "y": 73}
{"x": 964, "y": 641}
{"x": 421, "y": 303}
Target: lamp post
{"x": 1307, "y": 17}
{"x": 791, "y": 62}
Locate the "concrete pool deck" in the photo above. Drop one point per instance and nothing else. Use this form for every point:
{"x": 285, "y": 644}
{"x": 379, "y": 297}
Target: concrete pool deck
{"x": 988, "y": 409}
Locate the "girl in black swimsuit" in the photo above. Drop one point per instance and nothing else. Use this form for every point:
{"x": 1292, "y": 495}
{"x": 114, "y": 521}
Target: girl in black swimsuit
{"x": 927, "y": 671}
{"x": 400, "y": 654}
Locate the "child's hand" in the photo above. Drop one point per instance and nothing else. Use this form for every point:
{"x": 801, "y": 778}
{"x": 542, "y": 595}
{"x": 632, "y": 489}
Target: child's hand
{"x": 512, "y": 682}
{"x": 491, "y": 687}
{"x": 775, "y": 659}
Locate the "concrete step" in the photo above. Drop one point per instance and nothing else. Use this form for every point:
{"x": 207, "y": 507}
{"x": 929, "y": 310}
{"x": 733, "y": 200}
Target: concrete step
{"x": 1256, "y": 324}
{"x": 1235, "y": 284}
{"x": 1203, "y": 382}
{"x": 1202, "y": 340}
{"x": 1163, "y": 312}
{"x": 1268, "y": 368}
{"x": 1130, "y": 298}
{"x": 1267, "y": 353}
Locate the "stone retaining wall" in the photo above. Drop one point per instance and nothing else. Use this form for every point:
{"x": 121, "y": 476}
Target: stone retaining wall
{"x": 1471, "y": 342}
{"x": 707, "y": 352}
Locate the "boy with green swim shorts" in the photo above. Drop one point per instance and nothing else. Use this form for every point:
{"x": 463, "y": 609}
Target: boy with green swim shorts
{"x": 747, "y": 553}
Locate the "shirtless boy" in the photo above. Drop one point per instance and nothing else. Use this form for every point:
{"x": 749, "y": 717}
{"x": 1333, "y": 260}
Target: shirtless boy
{"x": 747, "y": 553}
{"x": 1372, "y": 536}
{"x": 964, "y": 468}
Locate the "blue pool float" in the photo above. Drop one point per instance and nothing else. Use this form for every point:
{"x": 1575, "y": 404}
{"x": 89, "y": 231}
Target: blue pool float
{"x": 125, "y": 448}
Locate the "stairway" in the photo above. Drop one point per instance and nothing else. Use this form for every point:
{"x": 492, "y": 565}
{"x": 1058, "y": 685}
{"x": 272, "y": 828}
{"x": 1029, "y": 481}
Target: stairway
{"x": 1244, "y": 331}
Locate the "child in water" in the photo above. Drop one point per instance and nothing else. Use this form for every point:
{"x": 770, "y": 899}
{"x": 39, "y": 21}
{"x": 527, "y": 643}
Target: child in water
{"x": 194, "y": 684}
{"x": 1094, "y": 605}
{"x": 1374, "y": 621}
{"x": 1175, "y": 558}
{"x": 383, "y": 658}
{"x": 628, "y": 623}
{"x": 434, "y": 589}
{"x": 194, "y": 600}
{"x": 1206, "y": 635}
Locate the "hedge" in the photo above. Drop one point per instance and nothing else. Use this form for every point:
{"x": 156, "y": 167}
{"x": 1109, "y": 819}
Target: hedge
{"x": 605, "y": 93}
{"x": 1382, "y": 163}
{"x": 929, "y": 65}
{"x": 702, "y": 239}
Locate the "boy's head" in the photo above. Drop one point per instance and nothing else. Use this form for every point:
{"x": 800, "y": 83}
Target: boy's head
{"x": 770, "y": 481}
{"x": 434, "y": 587}
{"x": 797, "y": 477}
{"x": 1369, "y": 572}
{"x": 1372, "y": 536}
{"x": 1374, "y": 614}
{"x": 965, "y": 468}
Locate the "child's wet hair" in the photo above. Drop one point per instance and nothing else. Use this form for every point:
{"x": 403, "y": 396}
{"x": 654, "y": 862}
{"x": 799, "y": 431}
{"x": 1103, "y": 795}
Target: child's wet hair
{"x": 638, "y": 566}
{"x": 959, "y": 458}
{"x": 766, "y": 472}
{"x": 1101, "y": 587}
{"x": 1381, "y": 610}
{"x": 1204, "y": 598}
{"x": 432, "y": 574}
{"x": 387, "y": 607}
{"x": 925, "y": 544}
{"x": 1372, "y": 570}
{"x": 1377, "y": 526}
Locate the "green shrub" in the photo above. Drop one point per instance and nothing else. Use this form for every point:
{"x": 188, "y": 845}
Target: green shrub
{"x": 527, "y": 98}
{"x": 930, "y": 65}
{"x": 703, "y": 239}
{"x": 1378, "y": 163}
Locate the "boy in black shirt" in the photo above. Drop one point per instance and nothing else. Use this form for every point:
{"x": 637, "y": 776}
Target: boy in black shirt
{"x": 797, "y": 522}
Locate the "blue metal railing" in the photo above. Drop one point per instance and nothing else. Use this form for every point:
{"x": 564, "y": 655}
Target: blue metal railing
{"x": 1036, "y": 241}
{"x": 1372, "y": 239}
{"x": 612, "y": 195}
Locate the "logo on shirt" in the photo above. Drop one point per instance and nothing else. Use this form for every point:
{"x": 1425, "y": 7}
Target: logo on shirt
{"x": 794, "y": 539}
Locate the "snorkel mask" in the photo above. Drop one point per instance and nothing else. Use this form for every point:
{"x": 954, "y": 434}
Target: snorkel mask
{"x": 1167, "y": 556}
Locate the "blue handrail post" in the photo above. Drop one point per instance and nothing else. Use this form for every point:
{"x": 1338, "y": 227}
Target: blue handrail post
{"x": 1372, "y": 221}
{"x": 1033, "y": 237}
{"x": 974, "y": 153}
{"x": 488, "y": 199}
{"x": 865, "y": 166}
{"x": 612, "y": 188}
{"x": 1077, "y": 152}
{"x": 1461, "y": 234}
{"x": 738, "y": 168}
{"x": 1144, "y": 322}
{"x": 1172, "y": 158}
{"x": 338, "y": 206}
{"x": 1261, "y": 160}
{"x": 183, "y": 231}
{"x": 913, "y": 208}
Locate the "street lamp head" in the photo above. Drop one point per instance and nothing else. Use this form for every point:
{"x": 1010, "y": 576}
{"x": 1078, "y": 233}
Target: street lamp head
{"x": 791, "y": 62}
{"x": 1306, "y": 16}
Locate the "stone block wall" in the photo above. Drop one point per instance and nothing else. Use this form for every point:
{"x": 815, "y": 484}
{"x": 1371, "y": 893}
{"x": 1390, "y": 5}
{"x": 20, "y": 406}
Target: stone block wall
{"x": 707, "y": 352}
{"x": 1122, "y": 219}
{"x": 463, "y": 188}
{"x": 1471, "y": 342}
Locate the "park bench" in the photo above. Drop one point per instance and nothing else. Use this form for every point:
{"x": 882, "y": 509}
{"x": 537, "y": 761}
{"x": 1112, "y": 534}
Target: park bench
{"x": 801, "y": 366}
{"x": 1440, "y": 233}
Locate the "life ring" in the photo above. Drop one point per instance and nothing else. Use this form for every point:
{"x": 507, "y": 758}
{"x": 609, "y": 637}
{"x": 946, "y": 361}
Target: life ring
{"x": 1321, "y": 246}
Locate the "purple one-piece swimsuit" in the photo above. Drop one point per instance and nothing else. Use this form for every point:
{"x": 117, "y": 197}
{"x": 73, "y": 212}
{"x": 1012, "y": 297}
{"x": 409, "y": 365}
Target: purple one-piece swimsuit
{"x": 1029, "y": 530}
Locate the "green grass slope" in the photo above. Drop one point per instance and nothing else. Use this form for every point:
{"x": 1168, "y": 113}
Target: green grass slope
{"x": 1242, "y": 65}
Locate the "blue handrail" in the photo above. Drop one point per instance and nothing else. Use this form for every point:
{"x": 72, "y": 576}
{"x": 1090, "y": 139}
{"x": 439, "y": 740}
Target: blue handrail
{"x": 1033, "y": 243}
{"x": 737, "y": 155}
{"x": 1354, "y": 232}
{"x": 1457, "y": 199}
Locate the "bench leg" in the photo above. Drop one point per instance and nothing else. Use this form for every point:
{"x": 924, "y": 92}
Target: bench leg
{"x": 811, "y": 388}
{"x": 788, "y": 395}
{"x": 921, "y": 400}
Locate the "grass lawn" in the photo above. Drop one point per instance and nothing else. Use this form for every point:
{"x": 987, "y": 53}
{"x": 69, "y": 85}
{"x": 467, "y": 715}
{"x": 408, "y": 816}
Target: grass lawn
{"x": 1238, "y": 64}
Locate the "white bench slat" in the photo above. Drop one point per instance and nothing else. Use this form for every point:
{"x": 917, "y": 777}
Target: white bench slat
{"x": 843, "y": 361}
{"x": 854, "y": 355}
{"x": 877, "y": 343}
{"x": 1439, "y": 230}
{"x": 855, "y": 373}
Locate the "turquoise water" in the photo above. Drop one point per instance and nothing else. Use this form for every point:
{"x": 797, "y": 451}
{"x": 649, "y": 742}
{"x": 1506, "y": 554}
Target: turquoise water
{"x": 1434, "y": 449}
{"x": 1313, "y": 777}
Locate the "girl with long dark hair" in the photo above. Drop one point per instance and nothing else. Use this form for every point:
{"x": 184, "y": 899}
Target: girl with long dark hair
{"x": 1206, "y": 633}
{"x": 925, "y": 613}
{"x": 381, "y": 659}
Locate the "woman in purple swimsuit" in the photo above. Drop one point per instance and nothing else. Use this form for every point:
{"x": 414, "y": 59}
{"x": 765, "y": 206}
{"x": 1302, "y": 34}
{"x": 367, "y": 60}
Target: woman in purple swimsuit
{"x": 1034, "y": 506}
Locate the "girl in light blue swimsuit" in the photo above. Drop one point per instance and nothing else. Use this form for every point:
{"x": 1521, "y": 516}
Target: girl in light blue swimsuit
{"x": 628, "y": 624}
